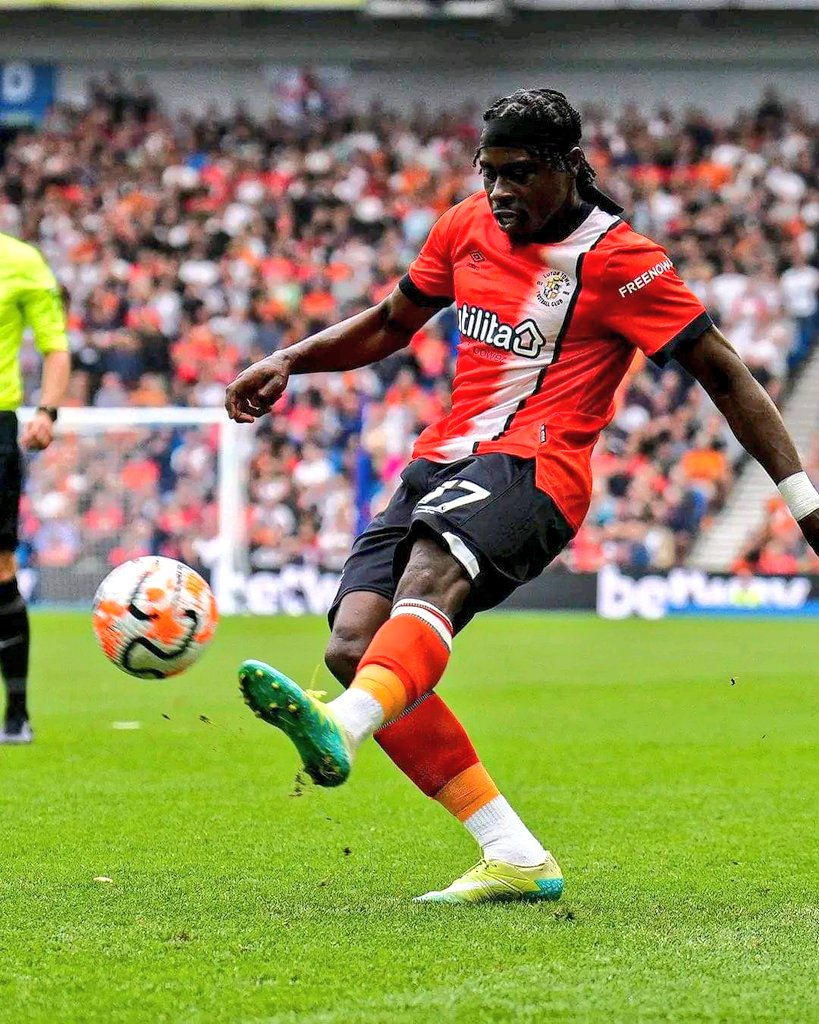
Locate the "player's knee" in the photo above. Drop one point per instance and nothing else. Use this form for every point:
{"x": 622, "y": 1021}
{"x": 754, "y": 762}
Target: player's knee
{"x": 8, "y": 566}
{"x": 344, "y": 651}
{"x": 433, "y": 574}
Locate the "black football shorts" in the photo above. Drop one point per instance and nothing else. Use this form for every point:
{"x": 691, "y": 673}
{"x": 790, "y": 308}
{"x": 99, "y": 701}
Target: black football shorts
{"x": 485, "y": 509}
{"x": 11, "y": 479}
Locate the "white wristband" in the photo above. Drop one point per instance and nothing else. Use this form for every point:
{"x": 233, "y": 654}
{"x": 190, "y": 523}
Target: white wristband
{"x": 801, "y": 496}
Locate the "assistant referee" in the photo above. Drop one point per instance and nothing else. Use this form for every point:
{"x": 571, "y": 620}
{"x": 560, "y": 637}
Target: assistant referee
{"x": 29, "y": 297}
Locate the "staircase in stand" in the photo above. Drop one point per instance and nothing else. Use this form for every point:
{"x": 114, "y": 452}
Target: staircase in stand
{"x": 745, "y": 510}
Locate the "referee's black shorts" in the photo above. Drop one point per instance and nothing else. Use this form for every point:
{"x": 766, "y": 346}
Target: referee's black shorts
{"x": 11, "y": 480}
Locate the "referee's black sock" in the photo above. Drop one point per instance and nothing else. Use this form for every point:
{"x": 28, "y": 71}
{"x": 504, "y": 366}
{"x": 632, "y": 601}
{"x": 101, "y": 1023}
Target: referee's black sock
{"x": 14, "y": 644}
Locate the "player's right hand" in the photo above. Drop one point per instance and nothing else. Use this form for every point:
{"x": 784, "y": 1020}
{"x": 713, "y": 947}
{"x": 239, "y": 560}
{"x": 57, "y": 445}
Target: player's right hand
{"x": 256, "y": 389}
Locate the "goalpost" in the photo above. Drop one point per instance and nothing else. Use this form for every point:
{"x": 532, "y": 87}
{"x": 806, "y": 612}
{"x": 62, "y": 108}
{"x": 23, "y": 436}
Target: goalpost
{"x": 113, "y": 476}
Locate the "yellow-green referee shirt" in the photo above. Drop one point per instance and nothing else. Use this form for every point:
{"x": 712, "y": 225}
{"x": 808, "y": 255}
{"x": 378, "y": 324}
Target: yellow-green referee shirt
{"x": 29, "y": 297}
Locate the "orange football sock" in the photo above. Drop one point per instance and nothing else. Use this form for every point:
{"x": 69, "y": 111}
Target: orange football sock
{"x": 385, "y": 686}
{"x": 428, "y": 744}
{"x": 431, "y": 747}
{"x": 468, "y": 792}
{"x": 406, "y": 657}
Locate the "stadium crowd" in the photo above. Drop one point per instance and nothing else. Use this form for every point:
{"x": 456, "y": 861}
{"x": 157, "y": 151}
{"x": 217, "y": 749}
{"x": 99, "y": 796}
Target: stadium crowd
{"x": 189, "y": 246}
{"x": 778, "y": 548}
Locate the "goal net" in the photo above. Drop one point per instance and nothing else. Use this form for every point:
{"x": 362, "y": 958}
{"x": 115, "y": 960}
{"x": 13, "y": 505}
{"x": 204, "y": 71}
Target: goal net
{"x": 120, "y": 483}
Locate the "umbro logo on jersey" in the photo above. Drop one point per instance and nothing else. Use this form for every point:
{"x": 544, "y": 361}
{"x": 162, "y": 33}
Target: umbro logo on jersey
{"x": 524, "y": 339}
{"x": 477, "y": 256}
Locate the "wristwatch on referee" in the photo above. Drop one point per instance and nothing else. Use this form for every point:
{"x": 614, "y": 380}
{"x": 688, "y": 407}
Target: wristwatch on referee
{"x": 50, "y": 410}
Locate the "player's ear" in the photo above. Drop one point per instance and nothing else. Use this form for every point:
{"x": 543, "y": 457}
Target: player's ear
{"x": 575, "y": 157}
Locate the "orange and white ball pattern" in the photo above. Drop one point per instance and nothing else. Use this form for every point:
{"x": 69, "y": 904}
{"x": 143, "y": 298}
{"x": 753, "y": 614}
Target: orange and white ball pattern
{"x": 154, "y": 616}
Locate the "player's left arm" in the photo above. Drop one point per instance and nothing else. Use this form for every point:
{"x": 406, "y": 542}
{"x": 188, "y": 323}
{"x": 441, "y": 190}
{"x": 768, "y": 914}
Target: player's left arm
{"x": 647, "y": 304}
{"x": 753, "y": 418}
{"x": 41, "y": 305}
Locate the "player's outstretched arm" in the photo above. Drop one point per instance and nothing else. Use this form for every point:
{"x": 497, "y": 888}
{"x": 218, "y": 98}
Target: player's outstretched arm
{"x": 755, "y": 421}
{"x": 362, "y": 339}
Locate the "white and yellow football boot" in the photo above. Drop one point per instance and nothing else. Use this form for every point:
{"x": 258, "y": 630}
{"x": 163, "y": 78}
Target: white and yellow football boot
{"x": 493, "y": 881}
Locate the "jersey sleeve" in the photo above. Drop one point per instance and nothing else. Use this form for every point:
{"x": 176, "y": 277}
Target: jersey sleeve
{"x": 648, "y": 305}
{"x": 428, "y": 281}
{"x": 41, "y": 305}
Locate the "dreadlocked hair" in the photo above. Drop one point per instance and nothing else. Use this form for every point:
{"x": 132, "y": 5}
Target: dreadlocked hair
{"x": 549, "y": 110}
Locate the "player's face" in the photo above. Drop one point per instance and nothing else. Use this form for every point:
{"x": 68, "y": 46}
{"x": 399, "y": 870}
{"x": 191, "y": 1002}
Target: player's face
{"x": 523, "y": 191}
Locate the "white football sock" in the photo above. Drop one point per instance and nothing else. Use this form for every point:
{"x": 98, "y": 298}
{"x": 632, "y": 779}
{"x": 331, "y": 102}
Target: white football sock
{"x": 501, "y": 835}
{"x": 360, "y": 714}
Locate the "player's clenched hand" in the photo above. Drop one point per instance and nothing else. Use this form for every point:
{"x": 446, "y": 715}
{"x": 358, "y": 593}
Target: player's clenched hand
{"x": 810, "y": 529}
{"x": 38, "y": 433}
{"x": 257, "y": 388}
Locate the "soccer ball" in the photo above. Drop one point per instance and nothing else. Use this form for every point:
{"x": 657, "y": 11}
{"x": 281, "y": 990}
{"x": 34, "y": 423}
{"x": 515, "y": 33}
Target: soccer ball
{"x": 154, "y": 617}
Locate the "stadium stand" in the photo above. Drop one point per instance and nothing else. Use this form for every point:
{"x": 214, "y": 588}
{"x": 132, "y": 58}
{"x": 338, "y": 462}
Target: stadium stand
{"x": 779, "y": 548}
{"x": 192, "y": 245}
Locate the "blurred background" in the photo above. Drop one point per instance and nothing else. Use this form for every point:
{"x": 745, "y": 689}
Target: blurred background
{"x": 211, "y": 182}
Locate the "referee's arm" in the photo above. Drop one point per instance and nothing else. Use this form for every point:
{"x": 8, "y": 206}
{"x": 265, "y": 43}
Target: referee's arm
{"x": 42, "y": 309}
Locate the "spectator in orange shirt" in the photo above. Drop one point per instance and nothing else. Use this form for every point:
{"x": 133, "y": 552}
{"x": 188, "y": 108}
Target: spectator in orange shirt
{"x": 706, "y": 463}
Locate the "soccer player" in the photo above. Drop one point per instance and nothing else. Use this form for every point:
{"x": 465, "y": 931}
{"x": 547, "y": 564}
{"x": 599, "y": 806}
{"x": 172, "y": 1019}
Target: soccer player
{"x": 29, "y": 297}
{"x": 554, "y": 293}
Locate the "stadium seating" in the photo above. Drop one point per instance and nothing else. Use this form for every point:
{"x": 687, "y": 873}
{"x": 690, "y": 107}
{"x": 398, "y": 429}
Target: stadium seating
{"x": 190, "y": 246}
{"x": 779, "y": 548}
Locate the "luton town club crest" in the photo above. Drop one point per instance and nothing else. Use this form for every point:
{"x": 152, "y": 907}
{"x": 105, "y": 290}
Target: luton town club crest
{"x": 553, "y": 288}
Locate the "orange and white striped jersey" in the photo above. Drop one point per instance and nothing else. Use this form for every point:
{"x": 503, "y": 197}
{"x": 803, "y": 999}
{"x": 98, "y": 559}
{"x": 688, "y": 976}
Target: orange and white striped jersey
{"x": 547, "y": 332}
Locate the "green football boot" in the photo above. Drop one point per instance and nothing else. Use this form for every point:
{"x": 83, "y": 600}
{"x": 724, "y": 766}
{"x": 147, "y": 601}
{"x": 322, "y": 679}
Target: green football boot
{"x": 312, "y": 726}
{"x": 493, "y": 881}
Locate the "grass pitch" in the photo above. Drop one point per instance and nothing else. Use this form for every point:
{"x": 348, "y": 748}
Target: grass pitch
{"x": 682, "y": 805}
